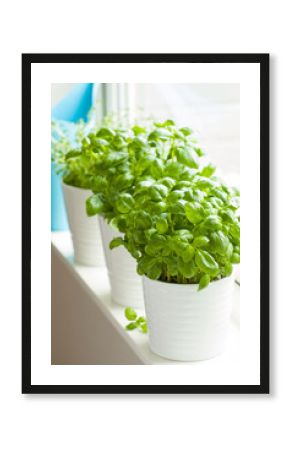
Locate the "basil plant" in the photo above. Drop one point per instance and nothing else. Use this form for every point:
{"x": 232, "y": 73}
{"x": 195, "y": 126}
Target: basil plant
{"x": 121, "y": 160}
{"x": 180, "y": 222}
{"x": 182, "y": 230}
{"x": 75, "y": 166}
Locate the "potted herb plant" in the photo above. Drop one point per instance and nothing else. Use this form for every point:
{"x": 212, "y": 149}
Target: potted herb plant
{"x": 109, "y": 152}
{"x": 184, "y": 232}
{"x": 125, "y": 162}
{"x": 74, "y": 168}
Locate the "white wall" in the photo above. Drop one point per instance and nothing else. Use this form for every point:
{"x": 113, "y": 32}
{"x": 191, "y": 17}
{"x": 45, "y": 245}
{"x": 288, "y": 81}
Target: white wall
{"x": 212, "y": 110}
{"x": 59, "y": 90}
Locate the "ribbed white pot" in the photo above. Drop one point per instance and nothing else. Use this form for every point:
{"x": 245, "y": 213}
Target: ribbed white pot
{"x": 85, "y": 231}
{"x": 126, "y": 284}
{"x": 185, "y": 324}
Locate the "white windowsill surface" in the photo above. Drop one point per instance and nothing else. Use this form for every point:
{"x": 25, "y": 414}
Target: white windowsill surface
{"x": 97, "y": 281}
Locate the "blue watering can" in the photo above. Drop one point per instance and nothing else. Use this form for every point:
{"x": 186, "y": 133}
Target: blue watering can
{"x": 74, "y": 106}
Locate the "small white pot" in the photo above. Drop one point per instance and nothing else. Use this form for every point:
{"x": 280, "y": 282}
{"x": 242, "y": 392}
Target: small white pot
{"x": 85, "y": 231}
{"x": 126, "y": 284}
{"x": 185, "y": 324}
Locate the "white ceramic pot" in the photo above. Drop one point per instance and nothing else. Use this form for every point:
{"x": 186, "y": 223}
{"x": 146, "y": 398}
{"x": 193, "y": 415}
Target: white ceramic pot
{"x": 85, "y": 231}
{"x": 126, "y": 284}
{"x": 185, "y": 324}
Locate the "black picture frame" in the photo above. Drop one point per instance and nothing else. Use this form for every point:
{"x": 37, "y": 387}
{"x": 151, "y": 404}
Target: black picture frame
{"x": 27, "y": 61}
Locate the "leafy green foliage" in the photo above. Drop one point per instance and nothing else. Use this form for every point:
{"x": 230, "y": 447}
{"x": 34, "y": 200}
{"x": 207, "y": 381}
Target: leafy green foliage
{"x": 67, "y": 138}
{"x": 189, "y": 241}
{"x": 135, "y": 321}
{"x": 130, "y": 314}
{"x": 116, "y": 242}
{"x": 180, "y": 222}
{"x": 94, "y": 205}
{"x": 66, "y": 141}
{"x": 124, "y": 165}
{"x": 204, "y": 281}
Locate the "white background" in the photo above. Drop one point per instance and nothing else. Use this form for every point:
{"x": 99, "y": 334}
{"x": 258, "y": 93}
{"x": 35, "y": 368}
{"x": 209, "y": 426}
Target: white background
{"x": 89, "y": 422}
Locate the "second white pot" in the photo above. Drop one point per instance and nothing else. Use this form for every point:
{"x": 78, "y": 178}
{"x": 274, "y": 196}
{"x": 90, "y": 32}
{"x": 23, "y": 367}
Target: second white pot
{"x": 185, "y": 324}
{"x": 85, "y": 231}
{"x": 126, "y": 284}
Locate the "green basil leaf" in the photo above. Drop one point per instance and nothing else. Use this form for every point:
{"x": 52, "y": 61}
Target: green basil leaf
{"x": 194, "y": 212}
{"x": 144, "y": 327}
{"x": 142, "y": 220}
{"x": 171, "y": 265}
{"x": 156, "y": 207}
{"x": 177, "y": 246}
{"x": 154, "y": 194}
{"x": 206, "y": 262}
{"x": 199, "y": 151}
{"x": 188, "y": 254}
{"x": 201, "y": 241}
{"x": 138, "y": 144}
{"x": 186, "y": 131}
{"x": 130, "y": 314}
{"x": 235, "y": 258}
{"x": 115, "y": 159}
{"x": 167, "y": 181}
{"x": 167, "y": 123}
{"x": 139, "y": 237}
{"x": 144, "y": 264}
{"x": 235, "y": 232}
{"x": 175, "y": 195}
{"x": 228, "y": 216}
{"x": 177, "y": 207}
{"x": 123, "y": 181}
{"x": 99, "y": 184}
{"x": 124, "y": 203}
{"x": 188, "y": 195}
{"x": 161, "y": 188}
{"x": 162, "y": 225}
{"x": 106, "y": 133}
{"x": 138, "y": 130}
{"x": 173, "y": 169}
{"x": 150, "y": 232}
{"x": 227, "y": 269}
{"x": 151, "y": 250}
{"x": 184, "y": 234}
{"x": 186, "y": 156}
{"x": 208, "y": 170}
{"x": 121, "y": 222}
{"x": 118, "y": 142}
{"x": 155, "y": 271}
{"x": 116, "y": 242}
{"x": 219, "y": 242}
{"x": 204, "y": 281}
{"x": 229, "y": 251}
{"x": 159, "y": 241}
{"x": 131, "y": 326}
{"x": 212, "y": 222}
{"x": 156, "y": 169}
{"x": 72, "y": 154}
{"x": 206, "y": 184}
{"x": 94, "y": 205}
{"x": 187, "y": 269}
{"x": 161, "y": 134}
{"x": 217, "y": 192}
